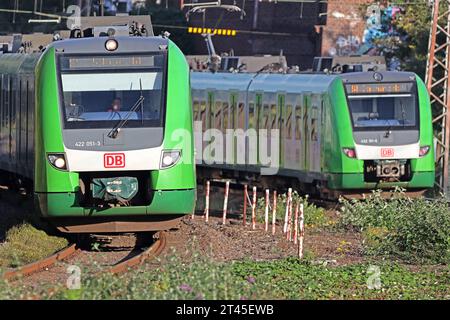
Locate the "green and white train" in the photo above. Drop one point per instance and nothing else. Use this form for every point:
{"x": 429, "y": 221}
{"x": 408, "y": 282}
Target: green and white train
{"x": 93, "y": 125}
{"x": 338, "y": 134}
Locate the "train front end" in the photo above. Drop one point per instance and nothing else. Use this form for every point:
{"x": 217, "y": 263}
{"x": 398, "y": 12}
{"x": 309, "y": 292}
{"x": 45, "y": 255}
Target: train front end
{"x": 384, "y": 134}
{"x": 114, "y": 146}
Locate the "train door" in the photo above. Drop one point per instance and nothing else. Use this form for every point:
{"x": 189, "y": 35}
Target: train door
{"x": 30, "y": 125}
{"x": 299, "y": 134}
{"x": 209, "y": 124}
{"x": 289, "y": 137}
{"x": 316, "y": 105}
{"x": 290, "y": 146}
{"x": 323, "y": 129}
{"x": 21, "y": 122}
{"x": 197, "y": 126}
{"x": 4, "y": 139}
{"x": 219, "y": 101}
{"x": 12, "y": 122}
{"x": 275, "y": 129}
{"x": 240, "y": 128}
{"x": 262, "y": 113}
{"x": 269, "y": 100}
{"x": 252, "y": 133}
{"x": 306, "y": 131}
{"x": 232, "y": 123}
{"x": 2, "y": 97}
{"x": 226, "y": 120}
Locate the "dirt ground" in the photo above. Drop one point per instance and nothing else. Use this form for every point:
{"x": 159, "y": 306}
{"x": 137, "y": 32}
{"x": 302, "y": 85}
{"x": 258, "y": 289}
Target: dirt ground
{"x": 234, "y": 241}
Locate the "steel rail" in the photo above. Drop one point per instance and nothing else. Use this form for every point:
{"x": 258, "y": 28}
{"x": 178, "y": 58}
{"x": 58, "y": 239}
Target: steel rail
{"x": 150, "y": 253}
{"x": 39, "y": 265}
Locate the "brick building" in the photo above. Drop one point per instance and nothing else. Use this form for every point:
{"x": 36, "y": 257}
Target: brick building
{"x": 344, "y": 30}
{"x": 302, "y": 29}
{"x": 267, "y": 28}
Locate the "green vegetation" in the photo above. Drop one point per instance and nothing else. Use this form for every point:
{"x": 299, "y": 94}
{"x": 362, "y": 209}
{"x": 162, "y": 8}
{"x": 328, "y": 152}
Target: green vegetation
{"x": 24, "y": 244}
{"x": 280, "y": 279}
{"x": 315, "y": 217}
{"x": 415, "y": 230}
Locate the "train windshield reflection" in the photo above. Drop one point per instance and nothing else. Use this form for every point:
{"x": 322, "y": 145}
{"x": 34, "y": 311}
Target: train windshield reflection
{"x": 93, "y": 100}
{"x": 393, "y": 111}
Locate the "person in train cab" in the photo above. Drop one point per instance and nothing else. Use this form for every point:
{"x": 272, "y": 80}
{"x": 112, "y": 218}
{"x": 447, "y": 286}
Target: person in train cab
{"x": 115, "y": 105}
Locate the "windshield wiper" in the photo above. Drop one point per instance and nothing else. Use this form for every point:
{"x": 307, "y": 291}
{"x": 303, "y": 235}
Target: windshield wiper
{"x": 403, "y": 112}
{"x": 116, "y": 129}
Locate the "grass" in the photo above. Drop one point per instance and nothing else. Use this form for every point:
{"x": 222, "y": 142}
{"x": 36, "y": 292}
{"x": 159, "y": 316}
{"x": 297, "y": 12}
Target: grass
{"x": 24, "y": 244}
{"x": 278, "y": 279}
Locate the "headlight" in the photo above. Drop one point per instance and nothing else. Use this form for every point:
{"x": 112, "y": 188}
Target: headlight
{"x": 111, "y": 45}
{"x": 169, "y": 158}
{"x": 423, "y": 151}
{"x": 57, "y": 160}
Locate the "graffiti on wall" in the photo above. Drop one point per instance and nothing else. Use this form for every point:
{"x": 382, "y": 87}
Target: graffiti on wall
{"x": 378, "y": 25}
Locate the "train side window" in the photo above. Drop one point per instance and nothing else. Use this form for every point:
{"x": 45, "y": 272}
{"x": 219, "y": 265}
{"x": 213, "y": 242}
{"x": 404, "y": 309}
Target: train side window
{"x": 210, "y": 110}
{"x": 314, "y": 116}
{"x": 241, "y": 115}
{"x": 218, "y": 115}
{"x": 298, "y": 122}
{"x": 203, "y": 115}
{"x": 196, "y": 107}
{"x": 251, "y": 115}
{"x": 289, "y": 122}
{"x": 225, "y": 106}
{"x": 273, "y": 116}
{"x": 233, "y": 112}
{"x": 264, "y": 117}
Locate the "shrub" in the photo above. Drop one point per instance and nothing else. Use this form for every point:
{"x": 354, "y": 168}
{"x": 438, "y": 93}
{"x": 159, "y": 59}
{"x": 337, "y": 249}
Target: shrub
{"x": 416, "y": 230}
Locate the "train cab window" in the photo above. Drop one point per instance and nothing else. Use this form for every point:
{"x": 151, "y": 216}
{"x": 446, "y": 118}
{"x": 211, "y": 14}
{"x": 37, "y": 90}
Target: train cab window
{"x": 393, "y": 111}
{"x": 100, "y": 91}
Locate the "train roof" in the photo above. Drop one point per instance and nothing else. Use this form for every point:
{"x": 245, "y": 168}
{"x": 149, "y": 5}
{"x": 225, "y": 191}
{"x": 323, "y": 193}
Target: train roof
{"x": 12, "y": 63}
{"x": 386, "y": 76}
{"x": 97, "y": 44}
{"x": 267, "y": 82}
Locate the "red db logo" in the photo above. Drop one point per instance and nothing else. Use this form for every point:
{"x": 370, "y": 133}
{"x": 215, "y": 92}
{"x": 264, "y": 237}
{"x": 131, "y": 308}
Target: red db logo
{"x": 387, "y": 152}
{"x": 114, "y": 160}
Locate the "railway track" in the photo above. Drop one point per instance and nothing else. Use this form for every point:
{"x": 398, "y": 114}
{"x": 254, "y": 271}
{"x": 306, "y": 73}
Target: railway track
{"x": 135, "y": 258}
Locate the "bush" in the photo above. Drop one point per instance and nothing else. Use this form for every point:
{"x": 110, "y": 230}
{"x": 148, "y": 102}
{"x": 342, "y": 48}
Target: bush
{"x": 415, "y": 230}
{"x": 314, "y": 216}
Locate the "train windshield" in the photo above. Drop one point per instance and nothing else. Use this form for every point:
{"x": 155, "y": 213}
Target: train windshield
{"x": 383, "y": 105}
{"x": 99, "y": 96}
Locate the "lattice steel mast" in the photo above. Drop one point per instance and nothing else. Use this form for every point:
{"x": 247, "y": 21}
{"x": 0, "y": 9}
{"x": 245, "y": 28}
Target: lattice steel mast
{"x": 438, "y": 84}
